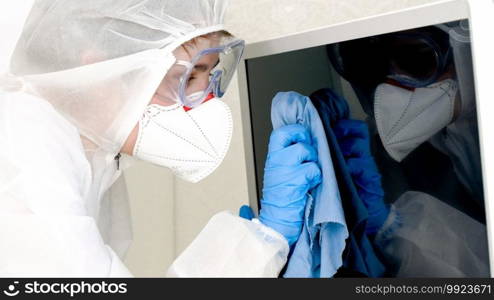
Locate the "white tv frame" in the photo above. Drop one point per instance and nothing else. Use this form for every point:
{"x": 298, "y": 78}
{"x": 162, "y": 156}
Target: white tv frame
{"x": 481, "y": 18}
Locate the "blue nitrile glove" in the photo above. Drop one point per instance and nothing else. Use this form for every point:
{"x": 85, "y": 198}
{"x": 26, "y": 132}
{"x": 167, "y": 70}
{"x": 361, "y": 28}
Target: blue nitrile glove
{"x": 246, "y": 212}
{"x": 290, "y": 172}
{"x": 353, "y": 138}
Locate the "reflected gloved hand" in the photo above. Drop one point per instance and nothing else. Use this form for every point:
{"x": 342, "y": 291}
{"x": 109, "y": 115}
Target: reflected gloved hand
{"x": 353, "y": 138}
{"x": 290, "y": 172}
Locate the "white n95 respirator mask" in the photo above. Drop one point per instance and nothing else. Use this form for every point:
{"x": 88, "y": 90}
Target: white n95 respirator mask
{"x": 406, "y": 118}
{"x": 191, "y": 143}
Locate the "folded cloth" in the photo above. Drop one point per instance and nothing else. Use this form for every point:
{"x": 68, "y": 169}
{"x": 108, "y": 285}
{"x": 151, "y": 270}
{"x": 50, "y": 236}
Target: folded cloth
{"x": 319, "y": 250}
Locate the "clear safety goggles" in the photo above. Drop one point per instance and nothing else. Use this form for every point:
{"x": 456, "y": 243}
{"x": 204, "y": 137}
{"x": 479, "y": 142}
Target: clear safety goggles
{"x": 206, "y": 75}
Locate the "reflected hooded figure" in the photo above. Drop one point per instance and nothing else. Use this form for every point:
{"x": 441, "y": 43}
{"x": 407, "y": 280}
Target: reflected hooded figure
{"x": 420, "y": 104}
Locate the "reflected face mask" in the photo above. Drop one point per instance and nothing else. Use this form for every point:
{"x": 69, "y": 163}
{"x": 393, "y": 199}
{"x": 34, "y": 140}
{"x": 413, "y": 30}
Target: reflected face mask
{"x": 407, "y": 118}
{"x": 191, "y": 143}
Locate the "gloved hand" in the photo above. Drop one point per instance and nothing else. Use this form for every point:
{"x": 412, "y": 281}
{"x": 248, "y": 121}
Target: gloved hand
{"x": 353, "y": 138}
{"x": 290, "y": 172}
{"x": 246, "y": 212}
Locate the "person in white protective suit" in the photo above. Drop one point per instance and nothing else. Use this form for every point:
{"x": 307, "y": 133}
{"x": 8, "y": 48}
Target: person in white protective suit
{"x": 91, "y": 85}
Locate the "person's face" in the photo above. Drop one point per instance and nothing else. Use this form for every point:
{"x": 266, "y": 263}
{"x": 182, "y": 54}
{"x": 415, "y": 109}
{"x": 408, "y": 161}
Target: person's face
{"x": 167, "y": 92}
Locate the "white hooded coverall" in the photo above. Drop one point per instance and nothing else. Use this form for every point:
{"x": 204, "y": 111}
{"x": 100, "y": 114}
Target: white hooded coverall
{"x": 82, "y": 74}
